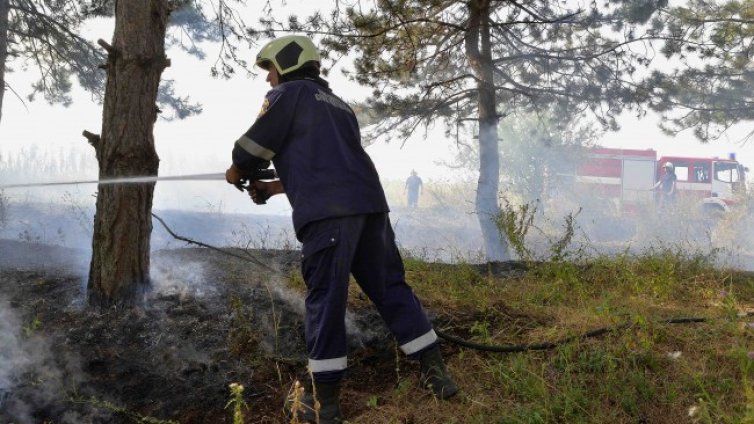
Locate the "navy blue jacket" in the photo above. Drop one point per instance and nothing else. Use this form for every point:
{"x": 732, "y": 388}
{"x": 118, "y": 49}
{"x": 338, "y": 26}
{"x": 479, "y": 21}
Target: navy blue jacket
{"x": 313, "y": 139}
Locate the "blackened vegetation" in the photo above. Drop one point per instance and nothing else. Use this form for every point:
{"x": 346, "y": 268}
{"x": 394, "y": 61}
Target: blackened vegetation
{"x": 173, "y": 357}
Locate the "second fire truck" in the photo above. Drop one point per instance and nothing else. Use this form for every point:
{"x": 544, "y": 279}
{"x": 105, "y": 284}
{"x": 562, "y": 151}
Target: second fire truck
{"x": 626, "y": 177}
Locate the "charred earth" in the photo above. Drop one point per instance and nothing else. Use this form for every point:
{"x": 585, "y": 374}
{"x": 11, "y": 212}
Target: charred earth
{"x": 210, "y": 320}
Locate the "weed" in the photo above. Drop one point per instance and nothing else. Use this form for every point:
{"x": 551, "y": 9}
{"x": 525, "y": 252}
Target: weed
{"x": 30, "y": 237}
{"x": 33, "y": 326}
{"x": 275, "y": 317}
{"x": 243, "y": 339}
{"x": 558, "y": 248}
{"x": 481, "y": 330}
{"x": 404, "y": 386}
{"x": 746, "y": 365}
{"x": 514, "y": 222}
{"x": 263, "y": 237}
{"x": 397, "y": 355}
{"x": 295, "y": 402}
{"x": 372, "y": 401}
{"x": 296, "y": 281}
{"x": 236, "y": 401}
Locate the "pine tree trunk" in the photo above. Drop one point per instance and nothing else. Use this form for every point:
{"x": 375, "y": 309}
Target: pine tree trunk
{"x": 4, "y": 15}
{"x": 479, "y": 53}
{"x": 119, "y": 270}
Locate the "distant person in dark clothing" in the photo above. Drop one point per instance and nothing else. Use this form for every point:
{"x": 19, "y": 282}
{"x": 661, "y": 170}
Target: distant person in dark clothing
{"x": 413, "y": 188}
{"x": 666, "y": 186}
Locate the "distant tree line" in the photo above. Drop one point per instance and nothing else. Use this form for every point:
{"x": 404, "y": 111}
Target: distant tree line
{"x": 32, "y": 163}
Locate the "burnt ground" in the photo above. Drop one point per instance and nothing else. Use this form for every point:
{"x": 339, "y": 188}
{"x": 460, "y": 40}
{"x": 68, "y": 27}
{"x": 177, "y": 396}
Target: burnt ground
{"x": 209, "y": 321}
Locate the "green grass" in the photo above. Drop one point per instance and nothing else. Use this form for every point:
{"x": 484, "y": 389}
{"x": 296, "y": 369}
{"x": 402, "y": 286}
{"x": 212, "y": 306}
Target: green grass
{"x": 648, "y": 372}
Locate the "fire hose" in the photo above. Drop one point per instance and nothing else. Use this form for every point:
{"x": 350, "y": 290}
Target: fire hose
{"x": 121, "y": 180}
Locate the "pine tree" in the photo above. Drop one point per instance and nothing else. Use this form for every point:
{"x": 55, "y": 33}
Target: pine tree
{"x": 712, "y": 85}
{"x": 479, "y": 60}
{"x": 119, "y": 269}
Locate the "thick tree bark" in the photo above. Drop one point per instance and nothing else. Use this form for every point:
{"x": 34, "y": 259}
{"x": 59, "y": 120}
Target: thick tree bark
{"x": 478, "y": 51}
{"x": 4, "y": 15}
{"x": 119, "y": 270}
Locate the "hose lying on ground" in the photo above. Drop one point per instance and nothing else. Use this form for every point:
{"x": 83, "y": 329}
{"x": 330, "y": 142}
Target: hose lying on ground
{"x": 465, "y": 343}
{"x": 248, "y": 258}
{"x": 551, "y": 345}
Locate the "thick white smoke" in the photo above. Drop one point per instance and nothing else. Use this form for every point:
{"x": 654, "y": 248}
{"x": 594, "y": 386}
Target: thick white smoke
{"x": 184, "y": 278}
{"x": 30, "y": 376}
{"x": 13, "y": 357}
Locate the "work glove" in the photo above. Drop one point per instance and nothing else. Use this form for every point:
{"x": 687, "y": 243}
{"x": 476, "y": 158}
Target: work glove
{"x": 233, "y": 176}
{"x": 259, "y": 192}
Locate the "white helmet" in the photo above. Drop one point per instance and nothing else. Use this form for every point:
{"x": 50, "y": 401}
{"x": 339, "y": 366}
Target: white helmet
{"x": 668, "y": 165}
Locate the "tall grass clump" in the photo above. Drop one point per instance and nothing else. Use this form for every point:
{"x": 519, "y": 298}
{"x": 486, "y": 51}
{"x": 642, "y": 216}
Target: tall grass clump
{"x": 516, "y": 222}
{"x": 663, "y": 273}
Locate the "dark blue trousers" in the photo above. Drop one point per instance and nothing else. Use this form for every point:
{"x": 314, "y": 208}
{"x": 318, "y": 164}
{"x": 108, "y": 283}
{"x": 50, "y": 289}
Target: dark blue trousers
{"x": 362, "y": 245}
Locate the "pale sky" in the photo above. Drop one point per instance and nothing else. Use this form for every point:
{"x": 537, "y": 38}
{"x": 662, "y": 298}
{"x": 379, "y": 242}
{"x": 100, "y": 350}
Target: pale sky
{"x": 203, "y": 143}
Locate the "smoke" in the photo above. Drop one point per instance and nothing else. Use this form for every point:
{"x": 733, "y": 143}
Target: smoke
{"x": 184, "y": 278}
{"x": 439, "y": 234}
{"x": 281, "y": 309}
{"x": 30, "y": 377}
{"x": 601, "y": 229}
{"x": 13, "y": 358}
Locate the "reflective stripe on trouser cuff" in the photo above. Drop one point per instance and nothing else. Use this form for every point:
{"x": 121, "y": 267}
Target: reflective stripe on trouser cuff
{"x": 324, "y": 365}
{"x": 254, "y": 148}
{"x": 419, "y": 343}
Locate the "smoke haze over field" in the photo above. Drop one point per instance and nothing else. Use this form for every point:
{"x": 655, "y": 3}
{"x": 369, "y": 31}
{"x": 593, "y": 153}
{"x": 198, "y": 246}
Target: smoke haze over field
{"x": 13, "y": 358}
{"x": 42, "y": 142}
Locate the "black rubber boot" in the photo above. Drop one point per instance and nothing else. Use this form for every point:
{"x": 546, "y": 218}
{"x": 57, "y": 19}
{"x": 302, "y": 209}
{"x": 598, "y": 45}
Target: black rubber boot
{"x": 325, "y": 411}
{"x": 434, "y": 376}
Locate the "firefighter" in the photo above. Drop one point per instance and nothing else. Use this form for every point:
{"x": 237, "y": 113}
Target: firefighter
{"x": 340, "y": 215}
{"x": 666, "y": 185}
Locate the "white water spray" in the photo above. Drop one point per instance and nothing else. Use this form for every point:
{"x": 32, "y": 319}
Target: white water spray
{"x": 122, "y": 180}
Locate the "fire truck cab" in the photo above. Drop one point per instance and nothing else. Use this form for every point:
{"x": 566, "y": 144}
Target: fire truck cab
{"x": 626, "y": 177}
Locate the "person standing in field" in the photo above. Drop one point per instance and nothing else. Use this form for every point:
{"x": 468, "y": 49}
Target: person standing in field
{"x": 413, "y": 189}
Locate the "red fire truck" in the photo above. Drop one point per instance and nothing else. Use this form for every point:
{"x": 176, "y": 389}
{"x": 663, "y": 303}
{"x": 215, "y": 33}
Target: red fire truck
{"x": 626, "y": 177}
